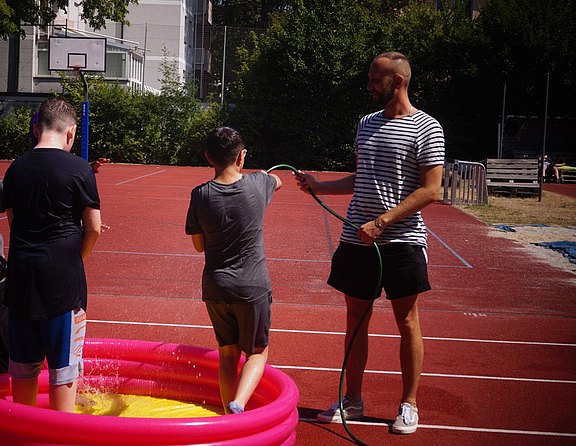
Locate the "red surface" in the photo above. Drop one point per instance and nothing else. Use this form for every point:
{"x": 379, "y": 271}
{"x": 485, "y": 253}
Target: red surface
{"x": 499, "y": 323}
{"x": 568, "y": 189}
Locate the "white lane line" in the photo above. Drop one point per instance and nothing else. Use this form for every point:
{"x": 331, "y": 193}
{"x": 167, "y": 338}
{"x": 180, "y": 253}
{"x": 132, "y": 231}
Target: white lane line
{"x": 332, "y": 369}
{"x": 434, "y": 375}
{"x": 460, "y": 428}
{"x": 140, "y": 177}
{"x": 160, "y": 254}
{"x": 136, "y": 253}
{"x": 152, "y": 324}
{"x": 271, "y": 259}
{"x": 432, "y": 338}
{"x": 338, "y": 333}
{"x": 454, "y": 253}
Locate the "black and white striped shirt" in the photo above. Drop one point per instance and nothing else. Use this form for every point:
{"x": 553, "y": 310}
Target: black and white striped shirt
{"x": 390, "y": 153}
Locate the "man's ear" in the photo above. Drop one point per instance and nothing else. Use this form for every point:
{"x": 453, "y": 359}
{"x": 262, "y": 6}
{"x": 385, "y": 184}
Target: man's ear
{"x": 398, "y": 80}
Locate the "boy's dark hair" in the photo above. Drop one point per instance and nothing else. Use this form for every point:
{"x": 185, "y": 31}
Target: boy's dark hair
{"x": 223, "y": 146}
{"x": 56, "y": 114}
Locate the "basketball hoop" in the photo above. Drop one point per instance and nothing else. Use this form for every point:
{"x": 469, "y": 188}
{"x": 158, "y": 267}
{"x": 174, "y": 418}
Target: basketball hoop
{"x": 79, "y": 54}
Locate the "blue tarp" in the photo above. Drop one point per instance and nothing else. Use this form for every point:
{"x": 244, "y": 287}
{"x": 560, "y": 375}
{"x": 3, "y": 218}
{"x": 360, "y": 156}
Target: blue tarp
{"x": 567, "y": 249}
{"x": 505, "y": 228}
{"x": 508, "y": 228}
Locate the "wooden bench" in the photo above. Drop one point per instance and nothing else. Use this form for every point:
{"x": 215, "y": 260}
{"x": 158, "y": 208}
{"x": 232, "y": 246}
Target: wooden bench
{"x": 513, "y": 176}
{"x": 567, "y": 175}
{"x": 566, "y": 166}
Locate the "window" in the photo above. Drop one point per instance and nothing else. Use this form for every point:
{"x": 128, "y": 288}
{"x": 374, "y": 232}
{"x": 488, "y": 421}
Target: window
{"x": 115, "y": 64}
{"x": 42, "y": 68}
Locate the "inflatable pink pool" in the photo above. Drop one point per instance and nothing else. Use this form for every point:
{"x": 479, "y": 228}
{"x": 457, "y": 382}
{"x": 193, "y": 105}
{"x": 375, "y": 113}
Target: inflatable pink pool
{"x": 161, "y": 370}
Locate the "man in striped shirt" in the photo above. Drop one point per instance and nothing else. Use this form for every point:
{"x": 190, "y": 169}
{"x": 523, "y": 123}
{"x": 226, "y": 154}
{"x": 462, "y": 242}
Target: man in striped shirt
{"x": 399, "y": 163}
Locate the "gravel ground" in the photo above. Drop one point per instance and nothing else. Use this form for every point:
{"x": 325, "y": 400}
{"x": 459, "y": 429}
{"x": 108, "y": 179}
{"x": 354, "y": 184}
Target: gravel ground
{"x": 527, "y": 235}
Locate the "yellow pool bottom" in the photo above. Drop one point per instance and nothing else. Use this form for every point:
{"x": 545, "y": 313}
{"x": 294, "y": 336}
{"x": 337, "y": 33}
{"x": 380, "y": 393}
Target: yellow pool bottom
{"x": 136, "y": 406}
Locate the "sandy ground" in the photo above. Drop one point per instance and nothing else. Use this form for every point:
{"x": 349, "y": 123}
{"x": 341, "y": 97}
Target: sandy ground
{"x": 527, "y": 235}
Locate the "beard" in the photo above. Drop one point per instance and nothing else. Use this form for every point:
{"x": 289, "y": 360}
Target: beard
{"x": 382, "y": 98}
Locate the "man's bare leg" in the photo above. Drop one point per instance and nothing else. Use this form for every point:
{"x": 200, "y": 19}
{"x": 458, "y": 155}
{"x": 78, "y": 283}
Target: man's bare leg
{"x": 411, "y": 345}
{"x": 359, "y": 352}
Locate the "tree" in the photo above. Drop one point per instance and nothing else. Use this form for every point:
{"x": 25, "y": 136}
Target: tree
{"x": 301, "y": 85}
{"x": 249, "y": 13}
{"x": 15, "y": 13}
{"x": 168, "y": 128}
{"x": 447, "y": 51}
{"x": 528, "y": 39}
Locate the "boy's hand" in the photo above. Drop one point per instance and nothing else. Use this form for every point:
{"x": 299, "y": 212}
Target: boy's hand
{"x": 96, "y": 164}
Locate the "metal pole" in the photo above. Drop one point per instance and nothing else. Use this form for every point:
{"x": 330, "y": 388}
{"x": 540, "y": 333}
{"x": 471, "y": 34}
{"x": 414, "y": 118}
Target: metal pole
{"x": 223, "y": 68}
{"x": 144, "y": 60}
{"x": 85, "y": 119}
{"x": 544, "y": 136}
{"x": 195, "y": 49}
{"x": 203, "y": 67}
{"x": 501, "y": 142}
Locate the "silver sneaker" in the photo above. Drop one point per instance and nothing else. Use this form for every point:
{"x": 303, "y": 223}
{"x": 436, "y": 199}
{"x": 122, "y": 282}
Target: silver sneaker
{"x": 352, "y": 411}
{"x": 407, "y": 419}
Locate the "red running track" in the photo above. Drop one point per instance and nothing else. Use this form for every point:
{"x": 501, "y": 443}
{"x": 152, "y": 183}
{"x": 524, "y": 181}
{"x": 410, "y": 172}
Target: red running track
{"x": 499, "y": 323}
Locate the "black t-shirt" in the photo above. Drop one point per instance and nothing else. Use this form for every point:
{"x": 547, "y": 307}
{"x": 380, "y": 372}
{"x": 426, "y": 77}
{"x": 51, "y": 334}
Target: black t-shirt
{"x": 47, "y": 190}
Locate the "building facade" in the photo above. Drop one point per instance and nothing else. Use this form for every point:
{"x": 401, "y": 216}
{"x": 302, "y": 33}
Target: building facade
{"x": 160, "y": 32}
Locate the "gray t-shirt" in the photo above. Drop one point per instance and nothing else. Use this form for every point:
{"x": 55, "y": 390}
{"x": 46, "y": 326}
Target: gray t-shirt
{"x": 230, "y": 216}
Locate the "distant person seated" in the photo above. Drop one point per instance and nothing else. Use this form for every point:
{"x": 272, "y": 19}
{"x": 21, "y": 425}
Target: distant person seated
{"x": 549, "y": 169}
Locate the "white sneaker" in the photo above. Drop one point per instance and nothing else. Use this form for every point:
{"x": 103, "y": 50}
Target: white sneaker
{"x": 407, "y": 419}
{"x": 352, "y": 411}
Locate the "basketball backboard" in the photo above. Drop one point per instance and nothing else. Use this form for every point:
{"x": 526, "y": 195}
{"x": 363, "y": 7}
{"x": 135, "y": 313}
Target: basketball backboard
{"x": 77, "y": 53}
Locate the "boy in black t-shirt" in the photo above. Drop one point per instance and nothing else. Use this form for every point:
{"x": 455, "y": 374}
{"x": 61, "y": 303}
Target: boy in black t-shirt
{"x": 225, "y": 219}
{"x": 52, "y": 203}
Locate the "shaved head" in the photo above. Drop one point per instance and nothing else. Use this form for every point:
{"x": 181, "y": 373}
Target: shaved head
{"x": 399, "y": 65}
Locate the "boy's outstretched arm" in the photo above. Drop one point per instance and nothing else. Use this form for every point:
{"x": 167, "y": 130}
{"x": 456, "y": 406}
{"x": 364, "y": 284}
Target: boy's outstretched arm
{"x": 278, "y": 181}
{"x": 198, "y": 241}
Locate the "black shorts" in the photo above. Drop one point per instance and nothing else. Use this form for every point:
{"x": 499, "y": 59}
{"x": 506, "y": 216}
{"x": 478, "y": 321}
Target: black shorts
{"x": 355, "y": 270}
{"x": 245, "y": 325}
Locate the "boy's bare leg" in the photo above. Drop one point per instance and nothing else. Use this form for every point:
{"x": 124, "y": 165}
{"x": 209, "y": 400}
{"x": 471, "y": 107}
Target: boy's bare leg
{"x": 250, "y": 375}
{"x": 25, "y": 391}
{"x": 63, "y": 396}
{"x": 228, "y": 373}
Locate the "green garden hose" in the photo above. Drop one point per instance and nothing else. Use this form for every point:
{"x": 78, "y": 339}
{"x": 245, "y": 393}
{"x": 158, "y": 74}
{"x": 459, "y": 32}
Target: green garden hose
{"x": 364, "y": 315}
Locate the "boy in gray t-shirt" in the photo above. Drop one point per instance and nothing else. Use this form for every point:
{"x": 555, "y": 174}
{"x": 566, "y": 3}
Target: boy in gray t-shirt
{"x": 225, "y": 220}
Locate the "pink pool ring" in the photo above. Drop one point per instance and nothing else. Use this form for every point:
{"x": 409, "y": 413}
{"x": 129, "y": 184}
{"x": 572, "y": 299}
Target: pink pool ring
{"x": 160, "y": 370}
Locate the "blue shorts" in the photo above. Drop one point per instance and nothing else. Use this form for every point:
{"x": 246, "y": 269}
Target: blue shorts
{"x": 59, "y": 340}
{"x": 355, "y": 270}
{"x": 244, "y": 325}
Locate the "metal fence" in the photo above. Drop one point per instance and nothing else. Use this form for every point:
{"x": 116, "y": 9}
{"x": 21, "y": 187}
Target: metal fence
{"x": 464, "y": 183}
